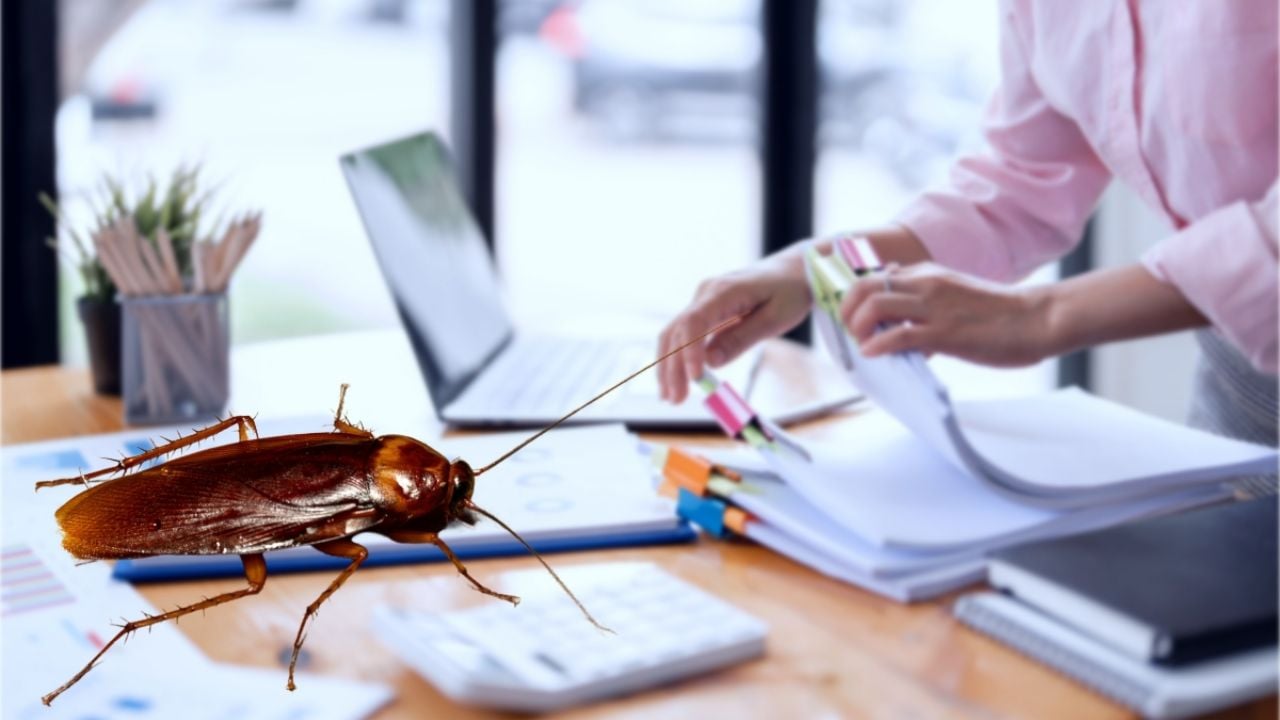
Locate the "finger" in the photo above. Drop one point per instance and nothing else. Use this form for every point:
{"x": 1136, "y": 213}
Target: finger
{"x": 664, "y": 366}
{"x": 884, "y": 308}
{"x": 672, "y": 369}
{"x": 692, "y": 358}
{"x": 899, "y": 338}
{"x": 679, "y": 378}
{"x": 733, "y": 341}
{"x": 696, "y": 362}
{"x": 862, "y": 289}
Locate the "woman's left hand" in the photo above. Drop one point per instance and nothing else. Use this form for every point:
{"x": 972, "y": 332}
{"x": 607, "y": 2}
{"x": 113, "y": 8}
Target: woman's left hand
{"x": 929, "y": 308}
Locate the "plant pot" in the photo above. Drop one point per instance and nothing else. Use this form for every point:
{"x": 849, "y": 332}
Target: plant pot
{"x": 101, "y": 320}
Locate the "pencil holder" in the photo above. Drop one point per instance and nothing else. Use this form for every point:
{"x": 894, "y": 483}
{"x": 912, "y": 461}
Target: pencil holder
{"x": 175, "y": 358}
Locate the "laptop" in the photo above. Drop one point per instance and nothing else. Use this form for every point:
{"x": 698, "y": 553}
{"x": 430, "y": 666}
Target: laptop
{"x": 480, "y": 369}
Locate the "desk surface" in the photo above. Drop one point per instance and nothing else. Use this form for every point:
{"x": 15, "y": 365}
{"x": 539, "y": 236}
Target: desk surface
{"x": 833, "y": 650}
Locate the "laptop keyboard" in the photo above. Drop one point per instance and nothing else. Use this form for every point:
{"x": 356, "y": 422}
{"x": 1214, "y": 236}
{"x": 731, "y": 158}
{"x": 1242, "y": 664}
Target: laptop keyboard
{"x": 550, "y": 376}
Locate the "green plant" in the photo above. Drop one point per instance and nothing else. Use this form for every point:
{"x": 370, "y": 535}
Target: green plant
{"x": 177, "y": 208}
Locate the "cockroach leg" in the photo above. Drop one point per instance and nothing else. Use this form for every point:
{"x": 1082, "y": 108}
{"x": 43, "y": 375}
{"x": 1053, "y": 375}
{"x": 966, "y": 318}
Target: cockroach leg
{"x": 341, "y": 424}
{"x": 243, "y": 421}
{"x": 338, "y": 548}
{"x": 255, "y": 571}
{"x": 418, "y": 536}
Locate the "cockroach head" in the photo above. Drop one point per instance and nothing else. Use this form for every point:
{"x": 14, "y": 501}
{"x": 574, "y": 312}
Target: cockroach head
{"x": 463, "y": 479}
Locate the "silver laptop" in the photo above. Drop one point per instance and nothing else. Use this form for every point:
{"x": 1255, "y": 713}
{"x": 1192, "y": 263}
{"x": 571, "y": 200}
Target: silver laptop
{"x": 480, "y": 369}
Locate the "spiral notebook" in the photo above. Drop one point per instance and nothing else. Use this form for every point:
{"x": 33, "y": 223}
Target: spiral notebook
{"x": 1152, "y": 690}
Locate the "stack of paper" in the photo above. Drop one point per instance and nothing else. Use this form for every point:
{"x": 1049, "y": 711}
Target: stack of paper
{"x": 910, "y": 498}
{"x": 874, "y": 505}
{"x": 1066, "y": 450}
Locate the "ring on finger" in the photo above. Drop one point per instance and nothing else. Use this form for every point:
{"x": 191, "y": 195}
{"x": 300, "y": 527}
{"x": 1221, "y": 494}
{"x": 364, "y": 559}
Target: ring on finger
{"x": 888, "y": 273}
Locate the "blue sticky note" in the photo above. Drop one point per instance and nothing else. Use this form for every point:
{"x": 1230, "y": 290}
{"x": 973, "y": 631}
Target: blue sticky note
{"x": 56, "y": 460}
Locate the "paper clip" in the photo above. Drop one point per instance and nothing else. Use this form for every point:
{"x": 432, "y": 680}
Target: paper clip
{"x": 827, "y": 295}
{"x": 715, "y": 516}
{"x": 732, "y": 412}
{"x": 683, "y": 469}
{"x": 858, "y": 255}
{"x": 827, "y": 290}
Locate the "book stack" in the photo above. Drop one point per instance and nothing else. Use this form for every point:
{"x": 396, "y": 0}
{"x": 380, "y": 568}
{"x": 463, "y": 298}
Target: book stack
{"x": 1173, "y": 616}
{"x": 909, "y": 499}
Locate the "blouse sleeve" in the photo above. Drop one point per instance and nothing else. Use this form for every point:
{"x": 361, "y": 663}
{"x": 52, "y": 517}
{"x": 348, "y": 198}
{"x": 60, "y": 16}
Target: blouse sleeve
{"x": 1026, "y": 198}
{"x": 1225, "y": 265}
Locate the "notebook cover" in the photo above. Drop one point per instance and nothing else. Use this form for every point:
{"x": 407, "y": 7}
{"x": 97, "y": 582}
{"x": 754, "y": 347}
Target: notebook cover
{"x": 1206, "y": 579}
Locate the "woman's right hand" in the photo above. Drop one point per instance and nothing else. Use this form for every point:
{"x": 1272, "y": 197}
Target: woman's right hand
{"x": 772, "y": 295}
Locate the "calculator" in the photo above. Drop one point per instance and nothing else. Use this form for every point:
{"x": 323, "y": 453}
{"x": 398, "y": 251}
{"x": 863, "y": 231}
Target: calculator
{"x": 544, "y": 655}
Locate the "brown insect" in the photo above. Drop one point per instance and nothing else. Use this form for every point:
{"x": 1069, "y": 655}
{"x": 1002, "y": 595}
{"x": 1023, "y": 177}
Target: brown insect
{"x": 263, "y": 494}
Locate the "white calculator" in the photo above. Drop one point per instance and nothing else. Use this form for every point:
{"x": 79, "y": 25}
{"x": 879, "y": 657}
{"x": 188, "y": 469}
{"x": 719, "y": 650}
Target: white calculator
{"x": 544, "y": 655}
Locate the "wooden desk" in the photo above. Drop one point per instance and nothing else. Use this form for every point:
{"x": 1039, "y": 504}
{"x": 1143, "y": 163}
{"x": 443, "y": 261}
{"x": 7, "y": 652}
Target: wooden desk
{"x": 833, "y": 651}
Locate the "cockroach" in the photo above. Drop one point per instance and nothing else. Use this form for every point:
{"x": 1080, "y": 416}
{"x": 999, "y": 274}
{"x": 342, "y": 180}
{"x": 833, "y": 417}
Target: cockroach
{"x": 263, "y": 494}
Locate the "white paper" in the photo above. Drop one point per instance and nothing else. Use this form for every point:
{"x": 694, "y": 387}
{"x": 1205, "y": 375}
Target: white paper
{"x": 903, "y": 385}
{"x": 782, "y": 508}
{"x": 1072, "y": 443}
{"x": 57, "y": 615}
{"x": 907, "y": 588}
{"x": 879, "y": 480}
{"x": 571, "y": 481}
{"x": 1062, "y": 449}
{"x": 161, "y": 689}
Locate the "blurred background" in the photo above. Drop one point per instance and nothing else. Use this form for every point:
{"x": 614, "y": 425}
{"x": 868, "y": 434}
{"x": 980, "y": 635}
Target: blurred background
{"x": 628, "y": 147}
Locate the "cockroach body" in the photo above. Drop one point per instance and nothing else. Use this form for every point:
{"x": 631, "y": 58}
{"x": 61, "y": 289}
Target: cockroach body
{"x": 258, "y": 495}
{"x": 266, "y": 494}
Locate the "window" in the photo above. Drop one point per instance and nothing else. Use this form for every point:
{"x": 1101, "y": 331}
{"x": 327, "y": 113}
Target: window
{"x": 626, "y": 162}
{"x": 264, "y": 95}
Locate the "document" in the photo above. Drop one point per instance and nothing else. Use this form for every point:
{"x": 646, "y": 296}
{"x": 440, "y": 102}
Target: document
{"x": 1061, "y": 450}
{"x": 57, "y": 614}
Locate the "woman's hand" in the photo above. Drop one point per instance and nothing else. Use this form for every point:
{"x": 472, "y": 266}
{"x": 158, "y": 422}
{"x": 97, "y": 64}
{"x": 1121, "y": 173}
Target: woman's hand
{"x": 928, "y": 308}
{"x": 773, "y": 297}
{"x": 938, "y": 310}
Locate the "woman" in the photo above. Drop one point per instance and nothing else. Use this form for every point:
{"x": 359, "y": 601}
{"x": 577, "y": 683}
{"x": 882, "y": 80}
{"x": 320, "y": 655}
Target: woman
{"x": 1177, "y": 100}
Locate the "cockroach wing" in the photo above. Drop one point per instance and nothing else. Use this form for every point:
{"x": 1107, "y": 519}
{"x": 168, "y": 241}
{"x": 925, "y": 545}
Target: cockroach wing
{"x": 247, "y": 497}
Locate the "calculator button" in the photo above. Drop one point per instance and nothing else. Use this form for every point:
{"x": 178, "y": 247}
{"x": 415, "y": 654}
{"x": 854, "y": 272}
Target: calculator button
{"x": 665, "y": 629}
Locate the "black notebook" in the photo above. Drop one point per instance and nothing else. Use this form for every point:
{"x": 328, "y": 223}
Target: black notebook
{"x": 1172, "y": 590}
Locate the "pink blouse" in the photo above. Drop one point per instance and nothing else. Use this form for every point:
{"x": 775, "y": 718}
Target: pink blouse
{"x": 1178, "y": 100}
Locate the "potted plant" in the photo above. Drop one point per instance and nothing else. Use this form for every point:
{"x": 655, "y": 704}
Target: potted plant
{"x": 176, "y": 209}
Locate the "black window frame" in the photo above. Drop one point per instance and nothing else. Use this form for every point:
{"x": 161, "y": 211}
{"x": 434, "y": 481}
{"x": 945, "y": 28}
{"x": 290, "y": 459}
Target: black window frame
{"x": 29, "y": 91}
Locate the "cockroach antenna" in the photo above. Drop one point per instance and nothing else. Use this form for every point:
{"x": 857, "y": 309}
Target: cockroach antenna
{"x": 611, "y": 388}
{"x": 516, "y": 535}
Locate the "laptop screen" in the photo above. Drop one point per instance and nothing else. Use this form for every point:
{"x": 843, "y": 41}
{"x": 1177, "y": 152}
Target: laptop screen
{"x": 433, "y": 257}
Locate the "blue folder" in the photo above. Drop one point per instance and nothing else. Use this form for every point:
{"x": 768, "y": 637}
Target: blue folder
{"x": 187, "y": 567}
